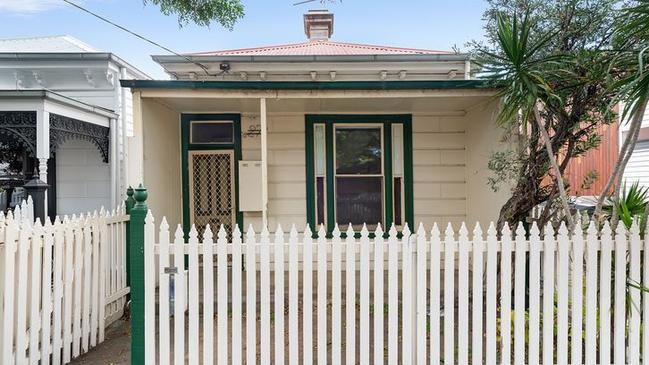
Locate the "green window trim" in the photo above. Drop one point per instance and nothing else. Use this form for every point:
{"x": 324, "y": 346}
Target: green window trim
{"x": 186, "y": 146}
{"x": 387, "y": 121}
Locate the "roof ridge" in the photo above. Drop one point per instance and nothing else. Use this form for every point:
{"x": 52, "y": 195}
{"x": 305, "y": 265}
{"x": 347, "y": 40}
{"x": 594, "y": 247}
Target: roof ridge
{"x": 389, "y": 47}
{"x": 34, "y": 37}
{"x": 79, "y": 43}
{"x": 319, "y": 47}
{"x": 84, "y": 47}
{"x": 249, "y": 49}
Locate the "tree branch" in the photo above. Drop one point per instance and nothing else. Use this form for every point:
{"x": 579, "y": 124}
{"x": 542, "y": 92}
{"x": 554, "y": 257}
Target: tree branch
{"x": 553, "y": 161}
{"x": 623, "y": 158}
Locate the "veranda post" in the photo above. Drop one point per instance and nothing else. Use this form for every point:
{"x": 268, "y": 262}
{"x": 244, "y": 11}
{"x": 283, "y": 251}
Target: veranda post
{"x": 137, "y": 210}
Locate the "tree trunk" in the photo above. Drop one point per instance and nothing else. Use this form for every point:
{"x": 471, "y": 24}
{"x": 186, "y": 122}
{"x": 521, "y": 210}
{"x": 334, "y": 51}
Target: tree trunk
{"x": 522, "y": 200}
{"x": 553, "y": 161}
{"x": 623, "y": 158}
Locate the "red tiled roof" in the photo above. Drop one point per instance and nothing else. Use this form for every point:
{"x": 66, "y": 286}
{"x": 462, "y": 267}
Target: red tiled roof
{"x": 321, "y": 48}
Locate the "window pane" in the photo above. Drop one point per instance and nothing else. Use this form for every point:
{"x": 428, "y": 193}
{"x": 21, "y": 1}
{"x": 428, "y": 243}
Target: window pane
{"x": 397, "y": 149}
{"x": 212, "y": 132}
{"x": 320, "y": 200}
{"x": 359, "y": 200}
{"x": 358, "y": 151}
{"x": 396, "y": 194}
{"x": 320, "y": 150}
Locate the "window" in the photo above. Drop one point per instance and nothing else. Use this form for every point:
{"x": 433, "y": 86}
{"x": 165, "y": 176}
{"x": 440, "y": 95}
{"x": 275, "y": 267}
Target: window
{"x": 359, "y": 175}
{"x": 358, "y": 170}
{"x": 212, "y": 132}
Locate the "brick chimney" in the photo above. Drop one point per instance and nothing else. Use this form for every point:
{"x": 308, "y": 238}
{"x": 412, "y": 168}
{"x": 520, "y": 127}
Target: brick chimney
{"x": 318, "y": 25}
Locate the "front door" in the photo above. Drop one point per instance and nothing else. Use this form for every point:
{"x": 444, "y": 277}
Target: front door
{"x": 211, "y": 189}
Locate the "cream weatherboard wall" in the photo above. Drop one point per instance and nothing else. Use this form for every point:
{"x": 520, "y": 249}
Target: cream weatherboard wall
{"x": 439, "y": 155}
{"x": 161, "y": 156}
{"x": 450, "y": 154}
{"x": 286, "y": 168}
{"x": 483, "y": 137}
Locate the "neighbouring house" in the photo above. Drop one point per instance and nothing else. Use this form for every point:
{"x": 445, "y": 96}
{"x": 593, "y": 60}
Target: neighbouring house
{"x": 318, "y": 132}
{"x": 587, "y": 175}
{"x": 637, "y": 169}
{"x": 64, "y": 115}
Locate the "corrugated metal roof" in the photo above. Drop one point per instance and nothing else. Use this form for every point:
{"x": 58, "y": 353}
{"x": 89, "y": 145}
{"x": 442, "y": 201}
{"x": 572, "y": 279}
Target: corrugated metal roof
{"x": 321, "y": 48}
{"x": 53, "y": 44}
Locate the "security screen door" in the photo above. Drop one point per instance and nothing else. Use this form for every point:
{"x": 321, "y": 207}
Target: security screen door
{"x": 211, "y": 191}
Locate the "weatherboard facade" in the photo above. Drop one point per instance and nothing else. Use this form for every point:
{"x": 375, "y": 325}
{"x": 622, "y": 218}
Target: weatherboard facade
{"x": 340, "y": 133}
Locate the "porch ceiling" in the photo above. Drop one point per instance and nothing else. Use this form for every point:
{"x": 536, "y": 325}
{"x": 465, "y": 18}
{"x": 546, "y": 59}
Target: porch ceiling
{"x": 432, "y": 104}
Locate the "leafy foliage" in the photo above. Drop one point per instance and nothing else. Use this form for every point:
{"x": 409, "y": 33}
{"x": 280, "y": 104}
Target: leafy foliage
{"x": 630, "y": 205}
{"x": 520, "y": 70}
{"x": 559, "y": 55}
{"x": 632, "y": 42}
{"x": 589, "y": 179}
{"x": 202, "y": 12}
{"x": 505, "y": 168}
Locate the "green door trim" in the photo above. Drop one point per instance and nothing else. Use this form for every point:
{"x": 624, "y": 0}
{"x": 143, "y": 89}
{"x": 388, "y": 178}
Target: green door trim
{"x": 387, "y": 120}
{"x": 186, "y": 146}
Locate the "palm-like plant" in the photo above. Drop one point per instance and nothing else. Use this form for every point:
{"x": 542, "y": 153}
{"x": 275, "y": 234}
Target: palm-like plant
{"x": 632, "y": 63}
{"x": 523, "y": 72}
{"x": 629, "y": 205}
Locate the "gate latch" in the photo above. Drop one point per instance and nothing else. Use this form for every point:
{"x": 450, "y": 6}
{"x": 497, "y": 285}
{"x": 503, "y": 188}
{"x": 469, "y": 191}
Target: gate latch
{"x": 171, "y": 270}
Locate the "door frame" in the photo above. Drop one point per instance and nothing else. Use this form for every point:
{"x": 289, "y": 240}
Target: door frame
{"x": 186, "y": 146}
{"x": 230, "y": 154}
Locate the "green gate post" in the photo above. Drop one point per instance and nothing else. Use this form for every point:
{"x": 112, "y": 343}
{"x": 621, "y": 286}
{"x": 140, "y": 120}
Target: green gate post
{"x": 135, "y": 244}
{"x": 128, "y": 203}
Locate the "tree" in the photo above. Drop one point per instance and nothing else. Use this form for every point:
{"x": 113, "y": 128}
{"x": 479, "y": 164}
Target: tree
{"x": 556, "y": 89}
{"x": 522, "y": 76}
{"x": 632, "y": 63}
{"x": 202, "y": 12}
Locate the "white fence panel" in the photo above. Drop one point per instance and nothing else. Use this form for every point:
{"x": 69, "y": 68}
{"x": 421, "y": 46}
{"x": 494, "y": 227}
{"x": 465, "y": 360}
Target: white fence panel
{"x": 52, "y": 305}
{"x": 422, "y": 298}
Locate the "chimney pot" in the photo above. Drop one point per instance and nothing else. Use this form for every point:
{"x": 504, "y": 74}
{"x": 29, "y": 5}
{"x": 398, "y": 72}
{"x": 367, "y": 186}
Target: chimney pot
{"x": 318, "y": 25}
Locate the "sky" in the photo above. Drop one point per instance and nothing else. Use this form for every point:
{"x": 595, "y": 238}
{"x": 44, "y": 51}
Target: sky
{"x": 428, "y": 24}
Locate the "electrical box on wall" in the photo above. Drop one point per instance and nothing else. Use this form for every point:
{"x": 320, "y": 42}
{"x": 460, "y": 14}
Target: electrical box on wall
{"x": 250, "y": 189}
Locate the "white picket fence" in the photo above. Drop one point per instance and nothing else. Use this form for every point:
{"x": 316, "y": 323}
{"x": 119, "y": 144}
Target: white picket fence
{"x": 424, "y": 298}
{"x": 61, "y": 284}
{"x": 24, "y": 211}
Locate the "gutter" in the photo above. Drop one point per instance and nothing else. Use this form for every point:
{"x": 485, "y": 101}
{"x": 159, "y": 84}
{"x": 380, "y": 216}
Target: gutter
{"x": 75, "y": 56}
{"x": 316, "y": 58}
{"x": 62, "y": 99}
{"x": 307, "y": 85}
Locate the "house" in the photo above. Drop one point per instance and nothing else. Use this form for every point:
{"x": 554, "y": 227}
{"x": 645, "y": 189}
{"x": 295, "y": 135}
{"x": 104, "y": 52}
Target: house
{"x": 316, "y": 132}
{"x": 637, "y": 169}
{"x": 64, "y": 115}
{"x": 587, "y": 174}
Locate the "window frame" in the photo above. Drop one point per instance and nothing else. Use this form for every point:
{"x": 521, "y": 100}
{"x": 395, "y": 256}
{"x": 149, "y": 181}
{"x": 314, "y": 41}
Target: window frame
{"x": 386, "y": 121}
{"x": 336, "y": 175}
{"x": 226, "y": 143}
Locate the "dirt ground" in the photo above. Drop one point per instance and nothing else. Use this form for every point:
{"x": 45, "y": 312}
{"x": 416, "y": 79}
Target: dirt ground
{"x": 115, "y": 350}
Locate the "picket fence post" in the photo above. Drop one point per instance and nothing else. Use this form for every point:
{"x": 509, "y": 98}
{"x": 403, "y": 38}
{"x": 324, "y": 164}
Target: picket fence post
{"x": 128, "y": 204}
{"x": 135, "y": 244}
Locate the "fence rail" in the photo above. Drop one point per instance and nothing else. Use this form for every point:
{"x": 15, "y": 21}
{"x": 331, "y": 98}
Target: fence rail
{"x": 61, "y": 284}
{"x": 426, "y": 297}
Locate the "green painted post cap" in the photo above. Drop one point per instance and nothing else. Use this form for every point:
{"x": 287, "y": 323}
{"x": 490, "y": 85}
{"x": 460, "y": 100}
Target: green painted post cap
{"x": 140, "y": 196}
